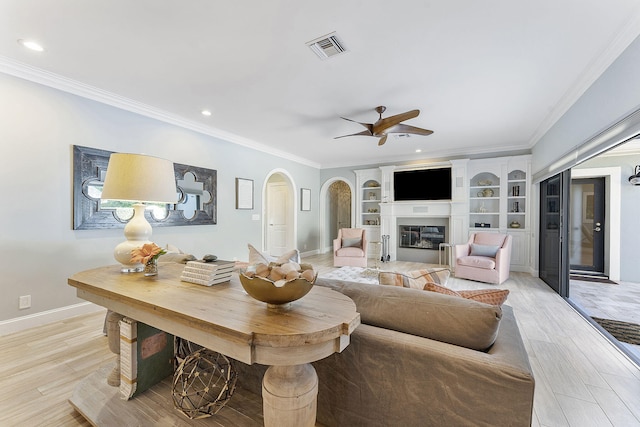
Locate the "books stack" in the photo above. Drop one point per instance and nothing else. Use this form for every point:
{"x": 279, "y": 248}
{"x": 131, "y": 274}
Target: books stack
{"x": 207, "y": 273}
{"x": 146, "y": 357}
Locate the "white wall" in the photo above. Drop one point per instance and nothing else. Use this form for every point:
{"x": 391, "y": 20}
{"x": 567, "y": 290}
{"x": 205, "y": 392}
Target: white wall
{"x": 612, "y": 97}
{"x": 40, "y": 250}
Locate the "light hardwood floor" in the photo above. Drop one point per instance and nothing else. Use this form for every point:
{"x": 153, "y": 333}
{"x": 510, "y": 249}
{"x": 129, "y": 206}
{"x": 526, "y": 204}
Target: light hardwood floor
{"x": 581, "y": 378}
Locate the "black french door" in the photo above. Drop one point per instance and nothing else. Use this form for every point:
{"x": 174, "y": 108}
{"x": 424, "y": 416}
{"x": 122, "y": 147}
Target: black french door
{"x": 554, "y": 232}
{"x": 586, "y": 250}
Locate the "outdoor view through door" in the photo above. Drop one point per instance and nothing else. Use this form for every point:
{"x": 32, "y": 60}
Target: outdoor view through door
{"x": 586, "y": 251}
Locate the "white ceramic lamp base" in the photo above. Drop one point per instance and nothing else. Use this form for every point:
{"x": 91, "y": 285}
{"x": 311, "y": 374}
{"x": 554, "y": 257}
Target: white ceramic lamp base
{"x": 138, "y": 232}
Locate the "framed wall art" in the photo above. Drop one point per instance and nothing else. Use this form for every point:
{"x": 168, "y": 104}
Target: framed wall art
{"x": 196, "y": 195}
{"x": 305, "y": 199}
{"x": 244, "y": 193}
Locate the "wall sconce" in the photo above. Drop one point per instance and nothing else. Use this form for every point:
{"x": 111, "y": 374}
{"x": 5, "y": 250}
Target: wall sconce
{"x": 635, "y": 179}
{"x": 139, "y": 179}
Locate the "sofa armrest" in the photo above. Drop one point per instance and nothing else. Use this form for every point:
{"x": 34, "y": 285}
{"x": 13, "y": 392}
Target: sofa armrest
{"x": 337, "y": 243}
{"x": 462, "y": 250}
{"x": 503, "y": 257}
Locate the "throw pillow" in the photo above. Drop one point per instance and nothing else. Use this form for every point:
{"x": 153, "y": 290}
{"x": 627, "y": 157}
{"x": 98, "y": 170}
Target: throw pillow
{"x": 176, "y": 257}
{"x": 484, "y": 250}
{"x": 355, "y": 242}
{"x": 487, "y": 296}
{"x": 414, "y": 279}
{"x": 175, "y": 254}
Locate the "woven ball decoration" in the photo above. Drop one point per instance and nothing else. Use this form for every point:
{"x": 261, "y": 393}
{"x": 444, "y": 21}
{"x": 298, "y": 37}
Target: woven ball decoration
{"x": 203, "y": 383}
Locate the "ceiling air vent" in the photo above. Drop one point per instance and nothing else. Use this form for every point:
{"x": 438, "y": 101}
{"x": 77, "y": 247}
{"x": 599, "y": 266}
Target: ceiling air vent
{"x": 327, "y": 46}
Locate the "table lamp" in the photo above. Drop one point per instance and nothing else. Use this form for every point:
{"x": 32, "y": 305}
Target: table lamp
{"x": 140, "y": 179}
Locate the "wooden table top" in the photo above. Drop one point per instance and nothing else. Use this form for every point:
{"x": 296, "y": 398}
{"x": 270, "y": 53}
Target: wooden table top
{"x": 223, "y": 317}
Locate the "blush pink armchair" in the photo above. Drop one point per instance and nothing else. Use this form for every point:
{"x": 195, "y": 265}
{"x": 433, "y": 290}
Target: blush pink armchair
{"x": 350, "y": 248}
{"x": 484, "y": 258}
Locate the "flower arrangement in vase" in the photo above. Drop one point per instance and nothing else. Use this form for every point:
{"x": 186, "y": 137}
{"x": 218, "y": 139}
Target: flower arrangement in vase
{"x": 148, "y": 255}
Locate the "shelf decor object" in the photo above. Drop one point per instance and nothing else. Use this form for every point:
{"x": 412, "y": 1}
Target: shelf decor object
{"x": 278, "y": 285}
{"x": 207, "y": 273}
{"x": 139, "y": 179}
{"x": 203, "y": 383}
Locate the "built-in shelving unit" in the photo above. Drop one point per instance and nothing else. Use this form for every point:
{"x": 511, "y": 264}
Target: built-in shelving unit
{"x": 499, "y": 202}
{"x": 516, "y": 199}
{"x": 371, "y": 203}
{"x": 369, "y": 196}
{"x": 484, "y": 201}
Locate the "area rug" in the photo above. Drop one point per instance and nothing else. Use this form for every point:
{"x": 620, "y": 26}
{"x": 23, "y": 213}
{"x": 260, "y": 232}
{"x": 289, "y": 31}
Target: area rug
{"x": 622, "y": 331}
{"x": 354, "y": 274}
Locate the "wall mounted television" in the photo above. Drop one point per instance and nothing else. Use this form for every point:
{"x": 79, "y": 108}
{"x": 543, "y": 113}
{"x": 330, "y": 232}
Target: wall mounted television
{"x": 422, "y": 184}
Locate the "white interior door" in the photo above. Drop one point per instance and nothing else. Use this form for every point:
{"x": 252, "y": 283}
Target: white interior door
{"x": 278, "y": 212}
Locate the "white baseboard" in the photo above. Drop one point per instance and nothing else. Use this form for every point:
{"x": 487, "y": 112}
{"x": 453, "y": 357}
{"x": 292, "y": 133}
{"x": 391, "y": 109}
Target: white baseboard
{"x": 18, "y": 324}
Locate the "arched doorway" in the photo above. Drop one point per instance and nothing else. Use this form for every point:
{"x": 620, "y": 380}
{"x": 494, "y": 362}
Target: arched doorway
{"x": 279, "y": 213}
{"x": 338, "y": 210}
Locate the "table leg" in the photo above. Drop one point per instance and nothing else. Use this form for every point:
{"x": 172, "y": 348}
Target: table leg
{"x": 113, "y": 334}
{"x": 289, "y": 396}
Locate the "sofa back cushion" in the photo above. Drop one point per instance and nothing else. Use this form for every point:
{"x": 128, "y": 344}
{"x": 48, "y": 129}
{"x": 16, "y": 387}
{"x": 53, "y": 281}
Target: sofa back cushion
{"x": 446, "y": 318}
{"x": 490, "y": 239}
{"x": 351, "y": 233}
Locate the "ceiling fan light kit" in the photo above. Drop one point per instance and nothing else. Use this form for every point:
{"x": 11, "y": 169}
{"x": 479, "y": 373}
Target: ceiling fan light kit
{"x": 389, "y": 125}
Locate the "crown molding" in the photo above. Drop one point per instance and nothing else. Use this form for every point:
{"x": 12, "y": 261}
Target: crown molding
{"x": 446, "y": 154}
{"x": 598, "y": 65}
{"x": 56, "y": 81}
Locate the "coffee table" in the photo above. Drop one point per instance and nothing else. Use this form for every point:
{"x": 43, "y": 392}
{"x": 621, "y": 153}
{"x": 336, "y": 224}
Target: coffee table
{"x": 225, "y": 319}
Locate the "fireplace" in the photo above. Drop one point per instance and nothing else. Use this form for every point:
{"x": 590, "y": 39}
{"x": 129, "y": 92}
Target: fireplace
{"x": 421, "y": 236}
{"x": 417, "y": 238}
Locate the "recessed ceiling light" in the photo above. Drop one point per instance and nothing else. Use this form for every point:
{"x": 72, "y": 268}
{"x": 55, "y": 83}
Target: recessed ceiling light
{"x": 30, "y": 44}
{"x": 206, "y": 113}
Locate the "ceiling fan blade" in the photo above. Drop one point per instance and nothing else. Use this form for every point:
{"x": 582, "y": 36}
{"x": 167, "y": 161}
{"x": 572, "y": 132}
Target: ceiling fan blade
{"x": 386, "y": 123}
{"x": 409, "y": 129}
{"x": 382, "y": 140}
{"x": 366, "y": 125}
{"x": 364, "y": 133}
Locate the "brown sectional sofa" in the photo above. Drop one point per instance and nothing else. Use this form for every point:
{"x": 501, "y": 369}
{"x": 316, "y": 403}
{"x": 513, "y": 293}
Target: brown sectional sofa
{"x": 421, "y": 359}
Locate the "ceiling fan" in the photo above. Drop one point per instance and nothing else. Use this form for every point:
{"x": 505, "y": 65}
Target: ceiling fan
{"x": 388, "y": 125}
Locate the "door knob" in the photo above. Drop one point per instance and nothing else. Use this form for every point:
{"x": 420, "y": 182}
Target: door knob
{"x": 597, "y": 229}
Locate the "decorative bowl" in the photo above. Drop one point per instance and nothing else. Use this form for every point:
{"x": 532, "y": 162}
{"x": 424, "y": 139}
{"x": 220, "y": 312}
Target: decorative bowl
{"x": 487, "y": 192}
{"x": 266, "y": 290}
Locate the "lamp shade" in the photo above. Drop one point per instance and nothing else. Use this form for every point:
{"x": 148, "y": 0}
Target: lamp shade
{"x": 139, "y": 178}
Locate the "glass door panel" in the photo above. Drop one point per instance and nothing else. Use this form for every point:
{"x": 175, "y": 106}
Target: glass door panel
{"x": 553, "y": 231}
{"x": 586, "y": 251}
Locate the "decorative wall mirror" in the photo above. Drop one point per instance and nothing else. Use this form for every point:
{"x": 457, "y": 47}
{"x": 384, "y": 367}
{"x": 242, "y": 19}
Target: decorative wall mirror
{"x": 195, "y": 194}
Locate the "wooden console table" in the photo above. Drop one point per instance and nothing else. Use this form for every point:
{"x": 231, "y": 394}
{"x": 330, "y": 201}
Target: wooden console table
{"x": 225, "y": 319}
